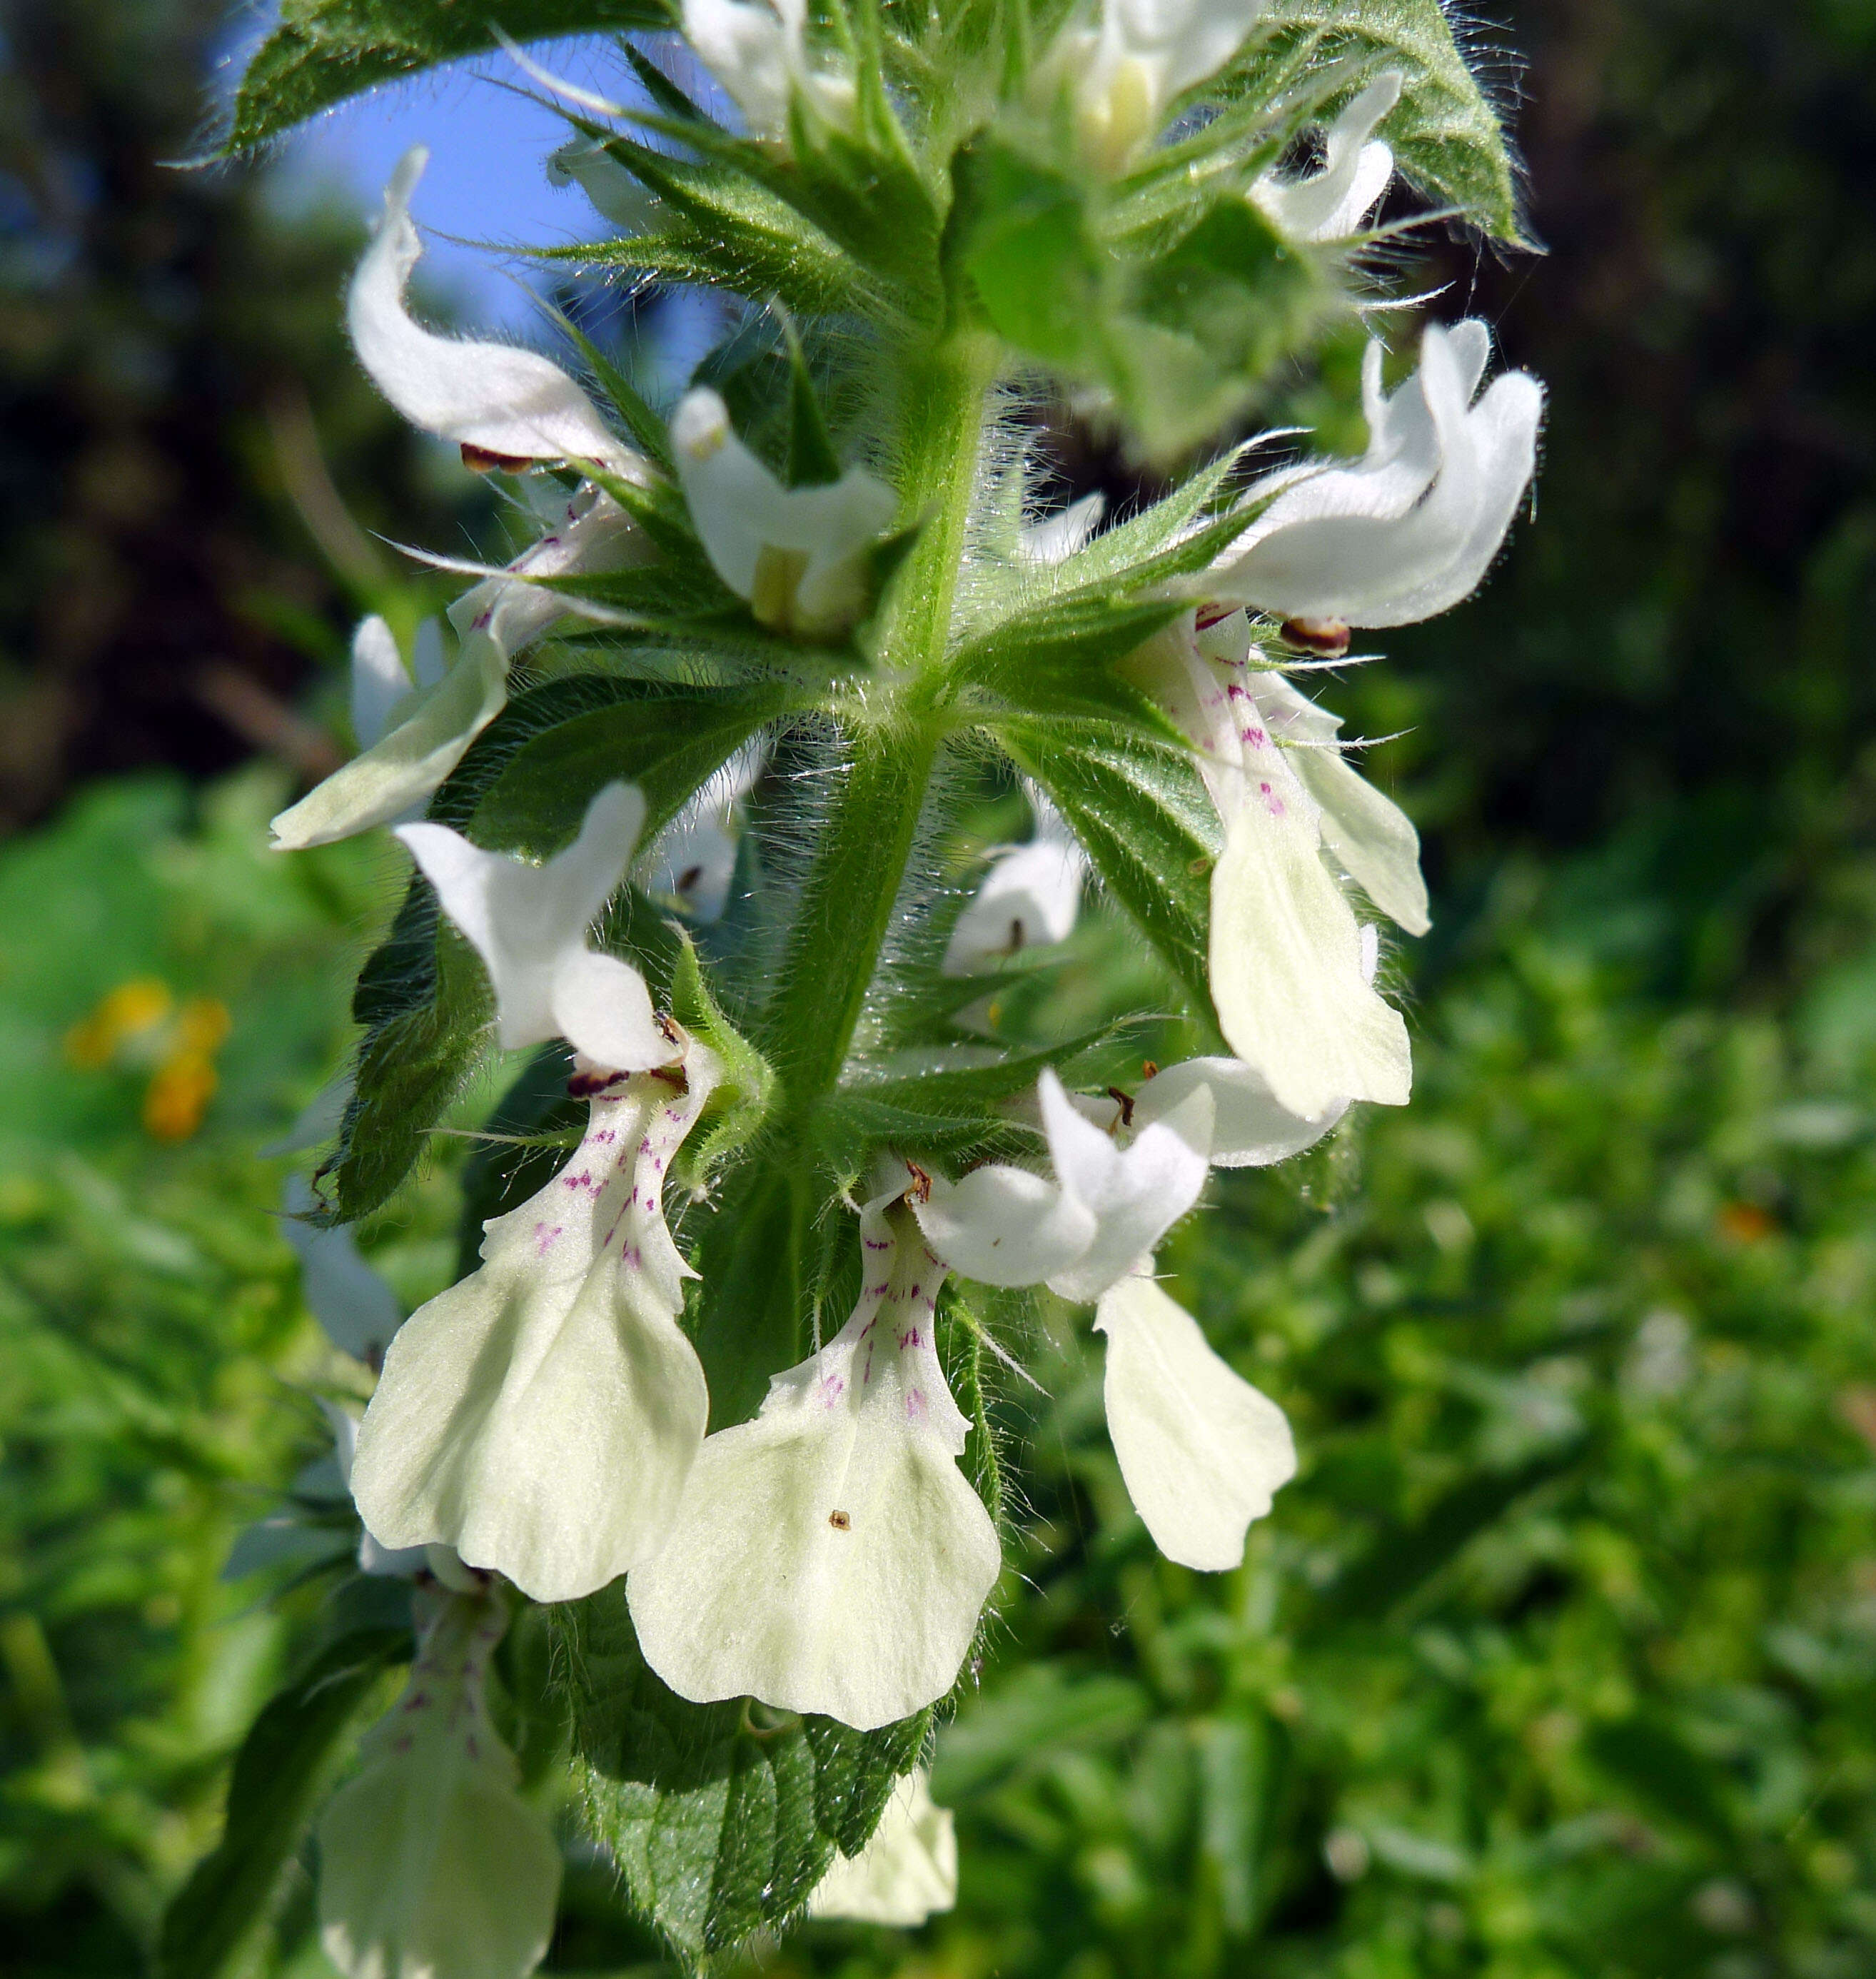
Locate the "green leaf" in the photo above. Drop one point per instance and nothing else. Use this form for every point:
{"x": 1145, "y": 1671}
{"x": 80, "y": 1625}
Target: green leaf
{"x": 944, "y": 1109}
{"x": 1145, "y": 819}
{"x": 722, "y": 1818}
{"x": 1055, "y": 658}
{"x": 523, "y": 787}
{"x": 285, "y": 1762}
{"x": 324, "y": 51}
{"x": 1446, "y": 134}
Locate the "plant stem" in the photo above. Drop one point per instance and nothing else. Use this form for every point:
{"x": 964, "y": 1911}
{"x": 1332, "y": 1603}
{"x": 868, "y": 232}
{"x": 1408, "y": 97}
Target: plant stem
{"x": 892, "y": 728}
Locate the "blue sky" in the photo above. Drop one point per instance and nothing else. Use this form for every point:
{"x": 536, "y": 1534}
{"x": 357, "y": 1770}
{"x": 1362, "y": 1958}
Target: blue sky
{"x": 487, "y": 180}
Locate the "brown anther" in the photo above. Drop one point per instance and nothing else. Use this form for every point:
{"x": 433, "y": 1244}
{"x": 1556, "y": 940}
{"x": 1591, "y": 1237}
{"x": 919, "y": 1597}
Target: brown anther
{"x": 673, "y": 1031}
{"x": 482, "y": 460}
{"x": 689, "y": 877}
{"x": 1199, "y": 868}
{"x": 1327, "y": 638}
{"x": 1149, "y": 1069}
{"x": 1124, "y": 1100}
{"x": 921, "y": 1188}
{"x": 1015, "y": 935}
{"x": 587, "y": 1085}
{"x": 839, "y": 1522}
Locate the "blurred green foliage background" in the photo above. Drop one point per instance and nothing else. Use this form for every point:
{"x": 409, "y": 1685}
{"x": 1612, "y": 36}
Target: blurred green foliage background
{"x": 1559, "y": 1656}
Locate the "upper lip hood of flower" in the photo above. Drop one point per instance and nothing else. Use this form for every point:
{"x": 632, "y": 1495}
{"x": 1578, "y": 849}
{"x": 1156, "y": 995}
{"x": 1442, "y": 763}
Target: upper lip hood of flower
{"x": 504, "y": 401}
{"x": 1105, "y": 1209}
{"x": 528, "y": 923}
{"x": 1410, "y": 528}
{"x": 1031, "y": 896}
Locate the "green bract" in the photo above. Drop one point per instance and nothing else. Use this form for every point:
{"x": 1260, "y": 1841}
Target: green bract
{"x": 699, "y": 786}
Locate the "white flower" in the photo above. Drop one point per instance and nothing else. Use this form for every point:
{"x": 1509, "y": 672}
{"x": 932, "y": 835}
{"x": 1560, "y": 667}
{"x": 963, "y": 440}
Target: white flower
{"x": 425, "y": 729}
{"x": 1106, "y": 1207}
{"x": 1250, "y": 1128}
{"x": 1030, "y": 897}
{"x": 905, "y": 1873}
{"x": 829, "y": 1557}
{"x": 615, "y": 193}
{"x": 529, "y": 923}
{"x": 1410, "y": 528}
{"x": 588, "y": 531}
{"x": 430, "y": 1862}
{"x": 509, "y": 405}
{"x": 1200, "y": 1450}
{"x": 758, "y": 51}
{"x": 694, "y": 858}
{"x": 358, "y": 1311}
{"x": 1332, "y": 204}
{"x": 381, "y": 683}
{"x": 797, "y": 555}
{"x": 382, "y": 1562}
{"x": 403, "y": 767}
{"x": 1126, "y": 74}
{"x": 1290, "y": 971}
{"x": 541, "y": 1416}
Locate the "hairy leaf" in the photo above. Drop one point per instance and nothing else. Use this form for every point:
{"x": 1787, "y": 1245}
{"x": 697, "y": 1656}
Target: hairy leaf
{"x": 322, "y": 51}
{"x": 1446, "y": 133}
{"x": 722, "y": 1818}
{"x": 1145, "y": 821}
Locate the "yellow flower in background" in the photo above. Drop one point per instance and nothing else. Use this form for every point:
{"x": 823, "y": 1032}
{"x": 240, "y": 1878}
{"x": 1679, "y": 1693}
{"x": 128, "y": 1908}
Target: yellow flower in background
{"x": 139, "y": 1023}
{"x": 131, "y": 1011}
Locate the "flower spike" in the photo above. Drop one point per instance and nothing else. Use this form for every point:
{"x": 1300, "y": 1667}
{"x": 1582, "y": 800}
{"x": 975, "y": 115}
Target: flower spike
{"x": 796, "y": 554}
{"x": 830, "y": 1556}
{"x": 541, "y": 1416}
{"x": 510, "y": 404}
{"x": 528, "y": 923}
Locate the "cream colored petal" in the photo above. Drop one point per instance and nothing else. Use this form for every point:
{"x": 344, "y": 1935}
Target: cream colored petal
{"x": 380, "y": 682}
{"x": 405, "y": 767}
{"x": 1287, "y": 975}
{"x": 1004, "y": 1226}
{"x": 542, "y": 1415}
{"x": 1370, "y": 834}
{"x": 1201, "y": 1450}
{"x": 431, "y": 1865}
{"x": 906, "y": 1873}
{"x": 1250, "y": 1129}
{"x": 829, "y": 1557}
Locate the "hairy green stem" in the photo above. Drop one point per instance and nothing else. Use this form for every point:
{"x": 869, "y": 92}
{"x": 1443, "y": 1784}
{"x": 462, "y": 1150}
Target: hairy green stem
{"x": 892, "y": 728}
